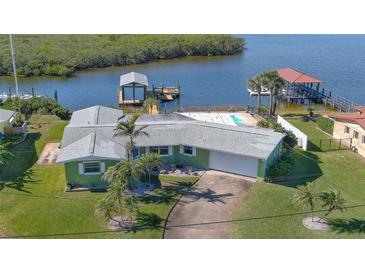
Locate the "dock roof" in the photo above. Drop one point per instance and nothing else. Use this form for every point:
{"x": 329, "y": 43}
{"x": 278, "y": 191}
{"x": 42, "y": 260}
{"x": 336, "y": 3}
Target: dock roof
{"x": 293, "y": 76}
{"x": 133, "y": 78}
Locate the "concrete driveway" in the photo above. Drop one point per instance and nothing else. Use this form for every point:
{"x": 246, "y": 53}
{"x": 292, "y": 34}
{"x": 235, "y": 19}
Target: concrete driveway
{"x": 49, "y": 154}
{"x": 206, "y": 210}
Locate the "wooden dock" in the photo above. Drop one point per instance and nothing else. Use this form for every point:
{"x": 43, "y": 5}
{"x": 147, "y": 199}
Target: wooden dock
{"x": 130, "y": 102}
{"x": 136, "y": 84}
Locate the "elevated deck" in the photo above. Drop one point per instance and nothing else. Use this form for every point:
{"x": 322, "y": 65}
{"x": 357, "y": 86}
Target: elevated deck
{"x": 169, "y": 90}
{"x": 128, "y": 102}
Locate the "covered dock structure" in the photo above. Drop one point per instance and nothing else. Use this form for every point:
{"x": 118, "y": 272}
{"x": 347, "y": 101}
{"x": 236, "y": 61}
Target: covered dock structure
{"x": 303, "y": 88}
{"x": 138, "y": 84}
{"x": 300, "y": 86}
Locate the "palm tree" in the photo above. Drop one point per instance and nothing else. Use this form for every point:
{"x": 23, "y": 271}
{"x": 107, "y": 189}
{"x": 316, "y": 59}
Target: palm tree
{"x": 131, "y": 131}
{"x": 125, "y": 172}
{"x": 149, "y": 162}
{"x": 333, "y": 200}
{"x": 112, "y": 203}
{"x": 305, "y": 197}
{"x": 254, "y": 84}
{"x": 273, "y": 82}
{"x": 149, "y": 103}
{"x": 117, "y": 201}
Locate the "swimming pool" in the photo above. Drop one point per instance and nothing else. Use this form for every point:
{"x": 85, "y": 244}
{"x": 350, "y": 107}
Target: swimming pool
{"x": 237, "y": 120}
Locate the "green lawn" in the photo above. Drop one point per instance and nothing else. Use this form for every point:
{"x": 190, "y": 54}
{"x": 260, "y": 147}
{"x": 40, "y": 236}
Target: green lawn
{"x": 43, "y": 208}
{"x": 268, "y": 212}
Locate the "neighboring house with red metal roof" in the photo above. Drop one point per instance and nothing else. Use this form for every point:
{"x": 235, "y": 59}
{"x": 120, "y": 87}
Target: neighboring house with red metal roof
{"x": 359, "y": 109}
{"x": 350, "y": 125}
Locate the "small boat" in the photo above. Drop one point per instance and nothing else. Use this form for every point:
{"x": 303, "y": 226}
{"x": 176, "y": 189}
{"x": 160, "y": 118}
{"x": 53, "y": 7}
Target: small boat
{"x": 25, "y": 96}
{"x": 166, "y": 97}
{"x": 264, "y": 92}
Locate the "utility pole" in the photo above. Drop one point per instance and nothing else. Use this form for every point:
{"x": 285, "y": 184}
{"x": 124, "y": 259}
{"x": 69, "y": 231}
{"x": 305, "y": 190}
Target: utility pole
{"x": 14, "y": 67}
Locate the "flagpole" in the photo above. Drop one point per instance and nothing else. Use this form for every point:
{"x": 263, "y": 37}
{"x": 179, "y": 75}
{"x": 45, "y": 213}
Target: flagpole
{"x": 14, "y": 67}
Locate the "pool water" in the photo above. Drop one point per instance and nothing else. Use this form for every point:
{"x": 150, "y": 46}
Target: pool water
{"x": 237, "y": 120}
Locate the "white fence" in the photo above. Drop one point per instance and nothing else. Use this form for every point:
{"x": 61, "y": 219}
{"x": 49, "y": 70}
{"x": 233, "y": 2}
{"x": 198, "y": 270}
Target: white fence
{"x": 17, "y": 130}
{"x": 302, "y": 138}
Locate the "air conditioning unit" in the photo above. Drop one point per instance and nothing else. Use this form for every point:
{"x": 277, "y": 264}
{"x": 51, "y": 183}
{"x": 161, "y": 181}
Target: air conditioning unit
{"x": 354, "y": 149}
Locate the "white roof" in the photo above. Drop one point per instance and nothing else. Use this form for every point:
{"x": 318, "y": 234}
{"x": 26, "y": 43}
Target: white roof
{"x": 133, "y": 78}
{"x": 96, "y": 116}
{"x": 87, "y": 139}
{"x": 5, "y": 114}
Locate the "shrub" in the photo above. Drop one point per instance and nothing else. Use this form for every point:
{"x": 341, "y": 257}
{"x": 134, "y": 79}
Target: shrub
{"x": 304, "y": 118}
{"x": 18, "y": 120}
{"x": 39, "y": 105}
{"x": 325, "y": 124}
{"x": 310, "y": 112}
{"x": 62, "y": 113}
{"x": 282, "y": 167}
{"x": 263, "y": 124}
{"x": 10, "y": 139}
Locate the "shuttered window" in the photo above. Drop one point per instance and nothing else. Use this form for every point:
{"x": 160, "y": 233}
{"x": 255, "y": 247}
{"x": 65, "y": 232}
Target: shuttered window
{"x": 91, "y": 167}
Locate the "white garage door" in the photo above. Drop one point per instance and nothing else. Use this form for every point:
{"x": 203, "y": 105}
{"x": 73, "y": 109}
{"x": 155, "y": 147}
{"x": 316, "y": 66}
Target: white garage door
{"x": 233, "y": 163}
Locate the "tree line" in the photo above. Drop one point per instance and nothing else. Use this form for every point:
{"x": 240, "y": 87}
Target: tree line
{"x": 62, "y": 55}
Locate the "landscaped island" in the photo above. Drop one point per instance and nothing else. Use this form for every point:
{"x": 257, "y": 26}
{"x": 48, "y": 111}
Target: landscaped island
{"x": 62, "y": 55}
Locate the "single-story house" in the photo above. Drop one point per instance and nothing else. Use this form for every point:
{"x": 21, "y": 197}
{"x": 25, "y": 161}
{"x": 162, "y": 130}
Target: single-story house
{"x": 350, "y": 126}
{"x": 89, "y": 147}
{"x": 7, "y": 118}
{"x": 359, "y": 109}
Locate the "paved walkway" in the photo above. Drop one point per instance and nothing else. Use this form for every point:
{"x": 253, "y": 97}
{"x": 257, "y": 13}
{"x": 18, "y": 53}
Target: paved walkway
{"x": 49, "y": 154}
{"x": 205, "y": 211}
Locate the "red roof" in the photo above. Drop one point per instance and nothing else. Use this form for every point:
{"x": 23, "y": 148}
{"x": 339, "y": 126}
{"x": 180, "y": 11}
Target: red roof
{"x": 360, "y": 109}
{"x": 357, "y": 118}
{"x": 293, "y": 76}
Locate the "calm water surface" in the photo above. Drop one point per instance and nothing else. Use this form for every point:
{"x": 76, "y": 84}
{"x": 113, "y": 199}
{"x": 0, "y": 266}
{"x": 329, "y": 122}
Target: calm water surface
{"x": 339, "y": 60}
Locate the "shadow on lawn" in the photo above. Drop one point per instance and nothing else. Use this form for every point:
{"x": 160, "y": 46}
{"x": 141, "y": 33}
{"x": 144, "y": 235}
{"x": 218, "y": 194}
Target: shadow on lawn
{"x": 306, "y": 169}
{"x": 351, "y": 226}
{"x": 19, "y": 171}
{"x": 20, "y": 181}
{"x": 171, "y": 193}
{"x": 148, "y": 221}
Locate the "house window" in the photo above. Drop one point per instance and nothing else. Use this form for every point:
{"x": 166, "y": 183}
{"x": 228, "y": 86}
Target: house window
{"x": 355, "y": 135}
{"x": 363, "y": 139}
{"x": 153, "y": 149}
{"x": 164, "y": 150}
{"x": 92, "y": 167}
{"x": 347, "y": 130}
{"x": 135, "y": 152}
{"x": 188, "y": 150}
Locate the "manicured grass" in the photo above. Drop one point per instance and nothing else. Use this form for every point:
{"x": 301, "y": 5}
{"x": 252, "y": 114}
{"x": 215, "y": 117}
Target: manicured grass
{"x": 268, "y": 212}
{"x": 42, "y": 207}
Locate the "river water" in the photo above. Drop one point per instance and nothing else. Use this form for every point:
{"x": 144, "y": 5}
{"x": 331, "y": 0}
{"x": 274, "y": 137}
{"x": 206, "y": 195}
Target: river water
{"x": 338, "y": 60}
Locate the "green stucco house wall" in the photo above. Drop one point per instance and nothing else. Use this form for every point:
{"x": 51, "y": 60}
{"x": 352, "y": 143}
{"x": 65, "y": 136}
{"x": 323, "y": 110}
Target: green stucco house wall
{"x": 200, "y": 159}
